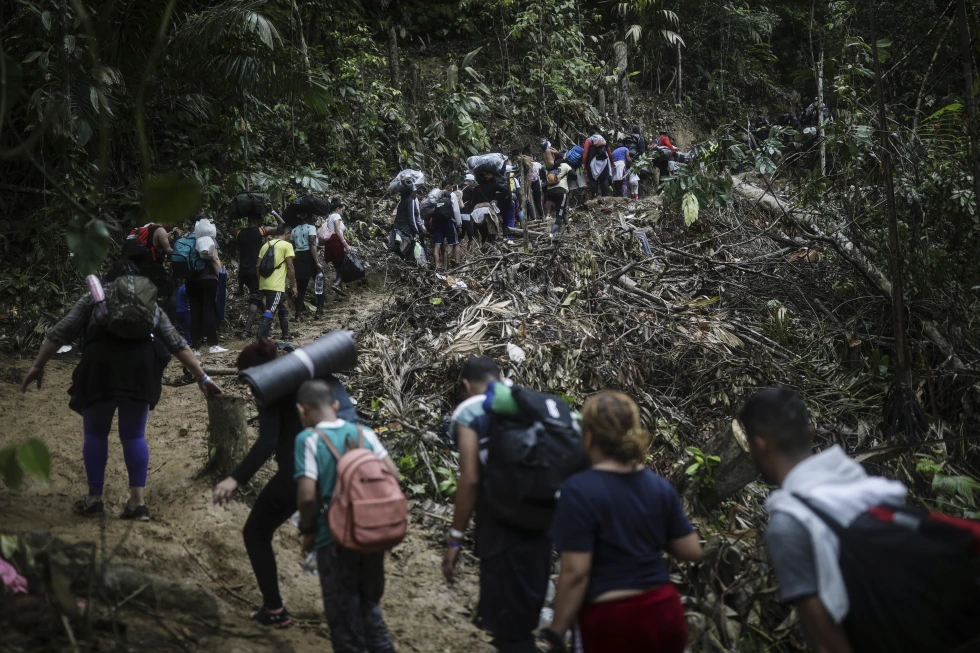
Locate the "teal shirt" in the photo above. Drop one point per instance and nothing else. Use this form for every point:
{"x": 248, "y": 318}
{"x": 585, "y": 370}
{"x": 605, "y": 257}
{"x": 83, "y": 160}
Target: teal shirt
{"x": 314, "y": 460}
{"x": 301, "y": 242}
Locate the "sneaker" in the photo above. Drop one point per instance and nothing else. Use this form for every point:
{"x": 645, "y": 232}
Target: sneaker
{"x": 217, "y": 349}
{"x": 268, "y": 618}
{"x": 139, "y": 513}
{"x": 85, "y": 509}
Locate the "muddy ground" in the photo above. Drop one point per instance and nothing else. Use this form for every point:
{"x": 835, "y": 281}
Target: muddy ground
{"x": 191, "y": 540}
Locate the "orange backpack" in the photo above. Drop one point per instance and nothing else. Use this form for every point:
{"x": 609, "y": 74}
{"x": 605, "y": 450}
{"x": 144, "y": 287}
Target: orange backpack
{"x": 368, "y": 512}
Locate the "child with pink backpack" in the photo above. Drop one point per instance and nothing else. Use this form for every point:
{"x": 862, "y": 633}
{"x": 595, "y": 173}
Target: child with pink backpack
{"x": 351, "y": 510}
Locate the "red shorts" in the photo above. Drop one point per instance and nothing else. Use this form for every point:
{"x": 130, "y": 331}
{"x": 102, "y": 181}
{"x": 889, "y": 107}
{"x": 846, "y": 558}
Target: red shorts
{"x": 653, "y": 621}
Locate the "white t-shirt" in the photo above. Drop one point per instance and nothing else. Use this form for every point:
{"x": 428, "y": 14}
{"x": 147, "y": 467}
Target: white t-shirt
{"x": 536, "y": 170}
{"x": 333, "y": 225}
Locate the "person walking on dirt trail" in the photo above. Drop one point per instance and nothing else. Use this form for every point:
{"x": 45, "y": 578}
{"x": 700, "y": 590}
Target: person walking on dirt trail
{"x": 202, "y": 289}
{"x": 127, "y": 341}
{"x": 306, "y": 262}
{"x": 273, "y": 287}
{"x": 492, "y": 198}
{"x": 352, "y": 582}
{"x": 279, "y": 424}
{"x": 556, "y": 193}
{"x": 622, "y": 162}
{"x": 597, "y": 161}
{"x": 662, "y": 164}
{"x": 249, "y": 241}
{"x": 614, "y": 581}
{"x": 148, "y": 248}
{"x": 865, "y": 572}
{"x": 447, "y": 221}
{"x": 514, "y": 564}
{"x": 335, "y": 246}
{"x": 466, "y": 210}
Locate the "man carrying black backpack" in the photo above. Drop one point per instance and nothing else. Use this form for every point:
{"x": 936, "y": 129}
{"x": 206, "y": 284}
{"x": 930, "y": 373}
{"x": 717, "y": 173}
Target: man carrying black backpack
{"x": 513, "y": 507}
{"x": 865, "y": 572}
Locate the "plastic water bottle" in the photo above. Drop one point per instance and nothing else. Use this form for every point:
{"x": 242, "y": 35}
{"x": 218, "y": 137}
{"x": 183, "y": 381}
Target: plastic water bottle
{"x": 318, "y": 284}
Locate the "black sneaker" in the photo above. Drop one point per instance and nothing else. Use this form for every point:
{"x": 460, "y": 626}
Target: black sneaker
{"x": 139, "y": 513}
{"x": 267, "y": 618}
{"x": 85, "y": 509}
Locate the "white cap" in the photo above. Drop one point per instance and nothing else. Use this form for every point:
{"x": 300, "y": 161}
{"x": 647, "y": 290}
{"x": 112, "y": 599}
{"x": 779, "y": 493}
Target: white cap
{"x": 470, "y": 177}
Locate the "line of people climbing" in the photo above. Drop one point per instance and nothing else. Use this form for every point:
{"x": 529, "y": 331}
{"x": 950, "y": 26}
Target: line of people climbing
{"x": 492, "y": 203}
{"x": 193, "y": 290}
{"x": 866, "y": 572}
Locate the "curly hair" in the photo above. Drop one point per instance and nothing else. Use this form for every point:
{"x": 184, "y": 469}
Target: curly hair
{"x": 613, "y": 420}
{"x": 256, "y": 354}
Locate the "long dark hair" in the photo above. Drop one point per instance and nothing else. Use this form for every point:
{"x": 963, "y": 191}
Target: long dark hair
{"x": 256, "y": 354}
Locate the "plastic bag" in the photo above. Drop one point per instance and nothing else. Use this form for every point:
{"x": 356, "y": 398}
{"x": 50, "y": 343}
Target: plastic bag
{"x": 428, "y": 205}
{"x": 420, "y": 257}
{"x": 493, "y": 162}
{"x": 406, "y": 179}
{"x": 352, "y": 269}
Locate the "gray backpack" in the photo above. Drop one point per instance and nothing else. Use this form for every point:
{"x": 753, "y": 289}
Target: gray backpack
{"x": 131, "y": 304}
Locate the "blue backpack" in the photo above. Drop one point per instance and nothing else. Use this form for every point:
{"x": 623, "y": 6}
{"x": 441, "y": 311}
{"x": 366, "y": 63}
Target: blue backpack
{"x": 574, "y": 156}
{"x": 185, "y": 260}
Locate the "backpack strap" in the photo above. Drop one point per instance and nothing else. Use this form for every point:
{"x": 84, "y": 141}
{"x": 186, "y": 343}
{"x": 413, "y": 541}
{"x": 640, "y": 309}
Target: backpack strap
{"x": 326, "y": 441}
{"x": 825, "y": 517}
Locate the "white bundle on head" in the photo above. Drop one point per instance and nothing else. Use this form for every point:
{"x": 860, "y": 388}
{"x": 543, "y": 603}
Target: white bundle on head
{"x": 205, "y": 228}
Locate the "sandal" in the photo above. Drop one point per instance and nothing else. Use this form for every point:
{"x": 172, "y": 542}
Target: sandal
{"x": 85, "y": 509}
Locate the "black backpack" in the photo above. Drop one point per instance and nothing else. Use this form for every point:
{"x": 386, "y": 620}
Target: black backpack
{"x": 443, "y": 208}
{"x": 632, "y": 143}
{"x": 528, "y": 457}
{"x": 912, "y": 577}
{"x": 268, "y": 264}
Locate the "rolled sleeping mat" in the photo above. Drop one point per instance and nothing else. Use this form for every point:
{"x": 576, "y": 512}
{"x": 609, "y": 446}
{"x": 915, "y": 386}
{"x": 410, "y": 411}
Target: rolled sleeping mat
{"x": 333, "y": 353}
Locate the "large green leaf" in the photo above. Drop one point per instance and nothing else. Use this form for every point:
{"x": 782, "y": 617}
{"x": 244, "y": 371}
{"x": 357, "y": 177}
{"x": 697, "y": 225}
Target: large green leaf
{"x": 9, "y": 469}
{"x": 171, "y": 199}
{"x": 962, "y": 486}
{"x": 89, "y": 243}
{"x": 34, "y": 459}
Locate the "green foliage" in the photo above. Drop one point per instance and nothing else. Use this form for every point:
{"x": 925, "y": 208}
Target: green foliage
{"x": 701, "y": 471}
{"x": 30, "y": 458}
{"x": 170, "y": 199}
{"x": 89, "y": 242}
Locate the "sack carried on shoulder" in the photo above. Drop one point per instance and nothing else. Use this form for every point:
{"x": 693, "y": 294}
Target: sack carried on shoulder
{"x": 247, "y": 203}
{"x": 368, "y": 512}
{"x": 534, "y": 446}
{"x": 267, "y": 266}
{"x": 131, "y": 306}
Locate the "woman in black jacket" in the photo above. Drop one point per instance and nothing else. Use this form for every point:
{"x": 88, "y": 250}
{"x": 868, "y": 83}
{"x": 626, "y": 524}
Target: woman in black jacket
{"x": 279, "y": 424}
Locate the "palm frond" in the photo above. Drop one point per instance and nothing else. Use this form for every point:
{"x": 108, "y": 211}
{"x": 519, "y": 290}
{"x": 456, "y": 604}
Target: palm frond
{"x": 672, "y": 37}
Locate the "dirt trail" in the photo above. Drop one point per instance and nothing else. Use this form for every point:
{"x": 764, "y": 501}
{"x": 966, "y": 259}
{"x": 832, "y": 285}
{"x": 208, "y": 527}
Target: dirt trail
{"x": 191, "y": 540}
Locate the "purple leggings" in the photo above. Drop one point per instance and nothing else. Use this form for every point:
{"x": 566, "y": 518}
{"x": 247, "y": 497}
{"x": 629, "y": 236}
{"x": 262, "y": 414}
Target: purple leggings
{"x": 97, "y": 422}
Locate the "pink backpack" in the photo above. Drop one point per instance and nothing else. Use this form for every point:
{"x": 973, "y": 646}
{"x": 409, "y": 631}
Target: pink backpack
{"x": 368, "y": 512}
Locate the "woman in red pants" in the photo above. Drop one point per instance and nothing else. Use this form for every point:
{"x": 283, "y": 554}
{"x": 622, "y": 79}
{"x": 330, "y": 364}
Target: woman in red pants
{"x": 613, "y": 523}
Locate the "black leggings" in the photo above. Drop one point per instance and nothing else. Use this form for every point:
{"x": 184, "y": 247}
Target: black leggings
{"x": 600, "y": 185}
{"x": 276, "y": 503}
{"x": 202, "y": 297}
{"x": 536, "y": 194}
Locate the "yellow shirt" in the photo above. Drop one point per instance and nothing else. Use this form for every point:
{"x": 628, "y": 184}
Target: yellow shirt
{"x": 277, "y": 280}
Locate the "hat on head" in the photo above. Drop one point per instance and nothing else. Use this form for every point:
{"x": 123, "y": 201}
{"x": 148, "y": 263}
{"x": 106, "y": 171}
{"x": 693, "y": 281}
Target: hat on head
{"x": 470, "y": 177}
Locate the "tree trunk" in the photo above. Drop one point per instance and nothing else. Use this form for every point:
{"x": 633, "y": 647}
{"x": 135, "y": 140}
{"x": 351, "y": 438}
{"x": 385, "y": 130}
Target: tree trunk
{"x": 823, "y": 142}
{"x": 302, "y": 42}
{"x": 895, "y": 258}
{"x": 971, "y": 105}
{"x": 680, "y": 78}
{"x": 733, "y": 472}
{"x": 601, "y": 102}
{"x": 619, "y": 51}
{"x": 393, "y": 57}
{"x": 227, "y": 433}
